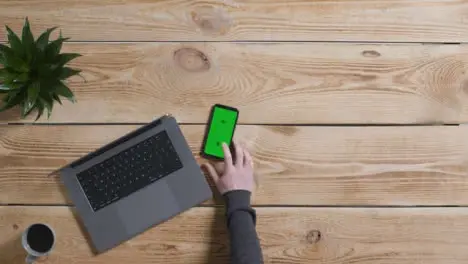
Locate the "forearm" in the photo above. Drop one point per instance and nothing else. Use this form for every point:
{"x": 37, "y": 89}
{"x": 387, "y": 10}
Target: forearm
{"x": 245, "y": 247}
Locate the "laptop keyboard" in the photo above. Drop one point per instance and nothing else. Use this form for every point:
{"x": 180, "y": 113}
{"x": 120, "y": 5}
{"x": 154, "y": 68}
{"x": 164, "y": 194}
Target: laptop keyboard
{"x": 129, "y": 171}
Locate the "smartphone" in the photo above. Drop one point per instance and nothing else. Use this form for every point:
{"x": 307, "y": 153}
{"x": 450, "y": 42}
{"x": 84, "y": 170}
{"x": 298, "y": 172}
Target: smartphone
{"x": 221, "y": 125}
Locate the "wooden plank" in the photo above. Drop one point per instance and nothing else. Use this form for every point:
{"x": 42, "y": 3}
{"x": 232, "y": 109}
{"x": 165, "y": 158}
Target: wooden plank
{"x": 270, "y": 83}
{"x": 169, "y": 20}
{"x": 294, "y": 165}
{"x": 379, "y": 236}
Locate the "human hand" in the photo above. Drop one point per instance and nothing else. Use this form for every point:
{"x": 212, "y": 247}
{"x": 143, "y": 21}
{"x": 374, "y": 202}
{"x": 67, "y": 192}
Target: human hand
{"x": 233, "y": 175}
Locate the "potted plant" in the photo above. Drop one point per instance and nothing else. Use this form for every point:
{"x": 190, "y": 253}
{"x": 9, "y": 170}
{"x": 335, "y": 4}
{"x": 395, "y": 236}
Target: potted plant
{"x": 32, "y": 72}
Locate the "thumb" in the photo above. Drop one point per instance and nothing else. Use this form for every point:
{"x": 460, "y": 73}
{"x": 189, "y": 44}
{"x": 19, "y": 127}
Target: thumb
{"x": 211, "y": 171}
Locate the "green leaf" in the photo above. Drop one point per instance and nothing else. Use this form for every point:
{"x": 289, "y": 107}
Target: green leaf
{"x": 33, "y": 92}
{"x": 12, "y": 95}
{"x": 48, "y": 85}
{"x": 66, "y": 72}
{"x": 62, "y": 90}
{"x": 45, "y": 71}
{"x": 9, "y": 78}
{"x": 16, "y": 85}
{"x": 3, "y": 74}
{"x": 48, "y": 103}
{"x": 25, "y": 109}
{"x": 27, "y": 36}
{"x": 12, "y": 81}
{"x": 54, "y": 47}
{"x": 64, "y": 58}
{"x": 40, "y": 110}
{"x": 15, "y": 43}
{"x": 40, "y": 57}
{"x": 11, "y": 100}
{"x": 21, "y": 77}
{"x": 38, "y": 60}
{"x": 28, "y": 40}
{"x": 57, "y": 98}
{"x": 5, "y": 49}
{"x": 43, "y": 39}
{"x": 11, "y": 60}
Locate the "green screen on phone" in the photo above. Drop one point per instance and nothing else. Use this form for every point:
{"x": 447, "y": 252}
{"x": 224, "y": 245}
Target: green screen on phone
{"x": 222, "y": 125}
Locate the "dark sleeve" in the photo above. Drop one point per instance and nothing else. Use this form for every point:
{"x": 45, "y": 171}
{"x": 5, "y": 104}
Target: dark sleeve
{"x": 241, "y": 219}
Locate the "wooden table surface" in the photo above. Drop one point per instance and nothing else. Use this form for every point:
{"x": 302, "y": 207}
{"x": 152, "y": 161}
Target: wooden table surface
{"x": 351, "y": 108}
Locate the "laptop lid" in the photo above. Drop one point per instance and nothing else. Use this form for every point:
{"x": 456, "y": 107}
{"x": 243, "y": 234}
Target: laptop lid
{"x": 158, "y": 201}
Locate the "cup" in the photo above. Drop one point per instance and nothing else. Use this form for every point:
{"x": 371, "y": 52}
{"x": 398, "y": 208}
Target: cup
{"x": 38, "y": 240}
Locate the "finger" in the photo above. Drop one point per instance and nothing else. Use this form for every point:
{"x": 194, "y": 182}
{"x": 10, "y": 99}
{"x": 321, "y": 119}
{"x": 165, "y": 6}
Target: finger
{"x": 248, "y": 160}
{"x": 211, "y": 171}
{"x": 239, "y": 154}
{"x": 219, "y": 167}
{"x": 227, "y": 155}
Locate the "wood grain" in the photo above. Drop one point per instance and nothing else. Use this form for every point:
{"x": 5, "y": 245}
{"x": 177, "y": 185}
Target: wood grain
{"x": 173, "y": 20}
{"x": 294, "y": 165}
{"x": 378, "y": 236}
{"x": 270, "y": 83}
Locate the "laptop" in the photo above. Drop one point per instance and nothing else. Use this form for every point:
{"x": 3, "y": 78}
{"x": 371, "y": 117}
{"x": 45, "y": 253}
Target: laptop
{"x": 140, "y": 180}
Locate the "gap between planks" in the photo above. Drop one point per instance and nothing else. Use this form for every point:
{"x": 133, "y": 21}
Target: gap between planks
{"x": 272, "y": 206}
{"x": 239, "y": 124}
{"x": 264, "y": 42}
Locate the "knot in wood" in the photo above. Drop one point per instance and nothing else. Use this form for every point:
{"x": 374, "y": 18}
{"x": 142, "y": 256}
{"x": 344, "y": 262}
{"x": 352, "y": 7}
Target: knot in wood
{"x": 370, "y": 54}
{"x": 313, "y": 236}
{"x": 192, "y": 60}
{"x": 211, "y": 20}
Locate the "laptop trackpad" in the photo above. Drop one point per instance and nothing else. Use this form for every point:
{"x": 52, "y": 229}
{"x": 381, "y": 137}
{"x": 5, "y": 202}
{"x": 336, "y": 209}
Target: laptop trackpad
{"x": 147, "y": 207}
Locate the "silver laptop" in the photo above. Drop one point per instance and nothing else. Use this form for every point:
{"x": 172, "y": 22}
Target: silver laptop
{"x": 135, "y": 182}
